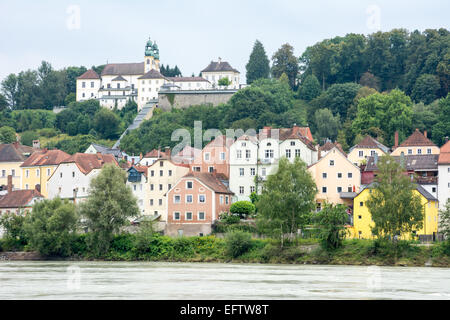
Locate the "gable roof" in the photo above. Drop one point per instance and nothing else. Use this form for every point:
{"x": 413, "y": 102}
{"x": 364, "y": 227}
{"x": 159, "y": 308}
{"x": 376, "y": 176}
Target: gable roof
{"x": 219, "y": 66}
{"x": 339, "y": 151}
{"x": 301, "y": 133}
{"x": 412, "y": 162}
{"x": 18, "y": 198}
{"x": 45, "y": 158}
{"x": 116, "y": 69}
{"x": 152, "y": 74}
{"x": 119, "y": 78}
{"x": 155, "y": 154}
{"x": 210, "y": 180}
{"x": 87, "y": 162}
{"x": 90, "y": 74}
{"x": 330, "y": 145}
{"x": 419, "y": 188}
{"x": 417, "y": 139}
{"x": 444, "y": 156}
{"x": 15, "y": 152}
{"x": 105, "y": 150}
{"x": 369, "y": 142}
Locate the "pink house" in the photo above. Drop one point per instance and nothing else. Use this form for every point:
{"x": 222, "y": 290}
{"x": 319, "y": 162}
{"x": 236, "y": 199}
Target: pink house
{"x": 195, "y": 202}
{"x": 215, "y": 156}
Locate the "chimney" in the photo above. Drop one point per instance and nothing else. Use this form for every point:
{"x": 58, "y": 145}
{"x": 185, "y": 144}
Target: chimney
{"x": 36, "y": 144}
{"x": 159, "y": 152}
{"x": 99, "y": 156}
{"x": 446, "y": 139}
{"x": 167, "y": 152}
{"x": 425, "y": 133}
{"x": 396, "y": 139}
{"x": 10, "y": 186}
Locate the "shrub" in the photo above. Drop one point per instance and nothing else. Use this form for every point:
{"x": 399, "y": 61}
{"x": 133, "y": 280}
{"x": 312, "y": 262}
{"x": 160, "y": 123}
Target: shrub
{"x": 238, "y": 243}
{"x": 14, "y": 237}
{"x": 123, "y": 242}
{"x": 242, "y": 208}
{"x": 183, "y": 247}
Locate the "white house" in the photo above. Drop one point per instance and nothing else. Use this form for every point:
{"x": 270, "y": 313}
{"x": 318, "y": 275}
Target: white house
{"x": 218, "y": 70}
{"x": 252, "y": 157}
{"x": 72, "y": 177}
{"x": 444, "y": 175}
{"x": 137, "y": 180}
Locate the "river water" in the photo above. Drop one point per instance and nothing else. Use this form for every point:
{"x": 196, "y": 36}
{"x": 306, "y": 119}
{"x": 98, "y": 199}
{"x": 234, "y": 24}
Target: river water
{"x": 211, "y": 281}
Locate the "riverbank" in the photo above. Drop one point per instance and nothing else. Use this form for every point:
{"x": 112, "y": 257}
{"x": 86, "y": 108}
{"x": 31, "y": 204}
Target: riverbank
{"x": 125, "y": 247}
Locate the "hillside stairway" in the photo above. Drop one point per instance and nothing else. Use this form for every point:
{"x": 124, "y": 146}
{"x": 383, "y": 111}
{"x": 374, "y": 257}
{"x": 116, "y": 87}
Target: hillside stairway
{"x": 145, "y": 114}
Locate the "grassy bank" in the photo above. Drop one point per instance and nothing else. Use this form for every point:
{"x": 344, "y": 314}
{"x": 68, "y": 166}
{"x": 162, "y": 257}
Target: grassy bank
{"x": 129, "y": 247}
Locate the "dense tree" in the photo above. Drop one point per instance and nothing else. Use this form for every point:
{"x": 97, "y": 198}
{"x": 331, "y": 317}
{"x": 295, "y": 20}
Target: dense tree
{"x": 14, "y": 236}
{"x": 242, "y": 208}
{"x": 396, "y": 210}
{"x": 369, "y": 80}
{"x": 426, "y": 89}
{"x": 287, "y": 199}
{"x": 327, "y": 125}
{"x": 7, "y": 135}
{"x": 3, "y": 103}
{"x": 309, "y": 88}
{"x": 338, "y": 98}
{"x": 444, "y": 221}
{"x": 108, "y": 207}
{"x": 258, "y": 65}
{"x": 27, "y": 137}
{"x": 10, "y": 90}
{"x": 72, "y": 73}
{"x": 284, "y": 61}
{"x": 331, "y": 223}
{"x": 51, "y": 227}
{"x": 441, "y": 129}
{"x": 224, "y": 82}
{"x": 107, "y": 124}
{"x": 389, "y": 112}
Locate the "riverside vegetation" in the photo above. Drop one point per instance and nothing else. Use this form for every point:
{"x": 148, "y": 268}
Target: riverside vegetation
{"x": 54, "y": 229}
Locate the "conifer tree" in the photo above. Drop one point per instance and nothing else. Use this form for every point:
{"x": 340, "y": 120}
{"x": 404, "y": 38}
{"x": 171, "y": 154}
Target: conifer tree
{"x": 258, "y": 65}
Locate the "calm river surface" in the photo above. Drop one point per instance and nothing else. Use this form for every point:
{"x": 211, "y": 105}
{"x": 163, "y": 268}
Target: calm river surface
{"x": 173, "y": 281}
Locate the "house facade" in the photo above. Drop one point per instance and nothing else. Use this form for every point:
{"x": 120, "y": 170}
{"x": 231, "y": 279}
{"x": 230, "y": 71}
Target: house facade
{"x": 195, "y": 202}
{"x": 72, "y": 177}
{"x": 18, "y": 201}
{"x": 416, "y": 144}
{"x": 444, "y": 175}
{"x": 39, "y": 167}
{"x": 362, "y": 219}
{"x": 137, "y": 180}
{"x": 337, "y": 178}
{"x": 218, "y": 70}
{"x": 367, "y": 147}
{"x": 12, "y": 157}
{"x": 161, "y": 177}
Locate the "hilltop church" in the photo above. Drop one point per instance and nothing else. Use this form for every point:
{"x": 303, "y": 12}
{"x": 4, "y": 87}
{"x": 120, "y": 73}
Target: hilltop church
{"x": 142, "y": 81}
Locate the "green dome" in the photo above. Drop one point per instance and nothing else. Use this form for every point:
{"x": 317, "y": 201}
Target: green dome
{"x": 149, "y": 48}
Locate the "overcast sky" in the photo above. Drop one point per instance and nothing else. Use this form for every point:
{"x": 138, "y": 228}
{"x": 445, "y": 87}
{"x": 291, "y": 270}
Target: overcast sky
{"x": 190, "y": 33}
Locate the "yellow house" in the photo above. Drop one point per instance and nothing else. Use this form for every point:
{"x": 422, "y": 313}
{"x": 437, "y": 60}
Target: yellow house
{"x": 11, "y": 158}
{"x": 39, "y": 167}
{"x": 416, "y": 144}
{"x": 337, "y": 179}
{"x": 366, "y": 148}
{"x": 362, "y": 219}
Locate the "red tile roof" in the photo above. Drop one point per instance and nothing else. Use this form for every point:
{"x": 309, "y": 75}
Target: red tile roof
{"x": 18, "y": 198}
{"x": 154, "y": 154}
{"x": 90, "y": 74}
{"x": 211, "y": 180}
{"x": 417, "y": 139}
{"x": 87, "y": 162}
{"x": 444, "y": 156}
{"x": 45, "y": 158}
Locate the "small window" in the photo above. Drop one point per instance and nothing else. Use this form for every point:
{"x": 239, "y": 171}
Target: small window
{"x": 331, "y": 163}
{"x": 361, "y": 154}
{"x": 241, "y": 189}
{"x": 409, "y": 151}
{"x": 324, "y": 189}
{"x": 189, "y": 198}
{"x": 73, "y": 174}
{"x": 222, "y": 156}
{"x": 419, "y": 151}
{"x": 361, "y": 204}
{"x": 297, "y": 153}
{"x": 339, "y": 175}
{"x": 177, "y": 198}
{"x": 350, "y": 175}
{"x": 151, "y": 187}
{"x": 210, "y": 169}
{"x": 429, "y": 151}
{"x": 221, "y": 199}
{"x": 201, "y": 216}
{"x": 188, "y": 184}
{"x": 360, "y": 217}
{"x": 161, "y": 172}
{"x": 176, "y": 216}
{"x": 252, "y": 189}
{"x": 151, "y": 202}
{"x": 247, "y": 154}
{"x": 206, "y": 157}
{"x": 160, "y": 202}
{"x": 170, "y": 173}
{"x": 160, "y": 187}
{"x": 288, "y": 153}
{"x": 201, "y": 198}
{"x": 241, "y": 172}
{"x": 188, "y": 215}
{"x": 292, "y": 143}
{"x": 252, "y": 171}
{"x": 339, "y": 189}
{"x": 161, "y": 164}
{"x": 152, "y": 173}
{"x": 324, "y": 175}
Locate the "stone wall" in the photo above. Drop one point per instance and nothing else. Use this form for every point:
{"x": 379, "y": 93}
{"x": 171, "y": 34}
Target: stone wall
{"x": 184, "y": 99}
{"x": 188, "y": 230}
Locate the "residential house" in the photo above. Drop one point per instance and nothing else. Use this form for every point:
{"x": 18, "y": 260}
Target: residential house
{"x": 150, "y": 157}
{"x": 444, "y": 175}
{"x": 416, "y": 144}
{"x": 367, "y": 147}
{"x": 18, "y": 201}
{"x": 38, "y": 168}
{"x": 161, "y": 177}
{"x": 214, "y": 156}
{"x": 11, "y": 158}
{"x": 137, "y": 180}
{"x": 362, "y": 219}
{"x": 422, "y": 169}
{"x": 336, "y": 177}
{"x": 72, "y": 176}
{"x": 218, "y": 70}
{"x": 195, "y": 202}
{"x": 256, "y": 157}
{"x": 95, "y": 148}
